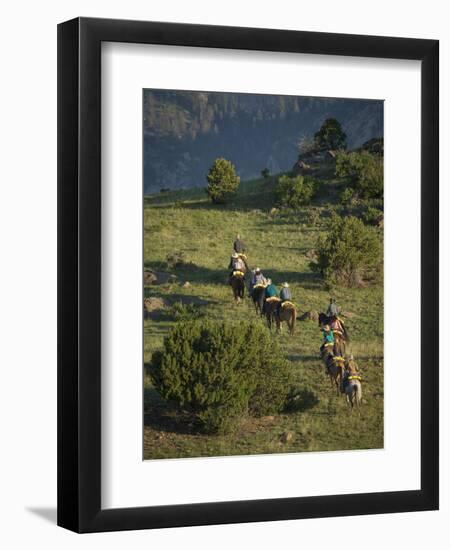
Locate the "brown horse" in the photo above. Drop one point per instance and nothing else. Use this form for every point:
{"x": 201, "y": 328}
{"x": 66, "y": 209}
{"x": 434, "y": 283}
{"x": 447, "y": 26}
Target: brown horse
{"x": 335, "y": 370}
{"x": 237, "y": 285}
{"x": 286, "y": 312}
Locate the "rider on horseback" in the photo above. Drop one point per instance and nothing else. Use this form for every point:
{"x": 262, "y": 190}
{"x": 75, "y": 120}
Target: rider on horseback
{"x": 238, "y": 245}
{"x": 333, "y": 310}
{"x": 240, "y": 248}
{"x": 285, "y": 293}
{"x": 350, "y": 372}
{"x": 285, "y": 296}
{"x": 271, "y": 289}
{"x": 237, "y": 264}
{"x": 328, "y": 340}
{"x": 256, "y": 279}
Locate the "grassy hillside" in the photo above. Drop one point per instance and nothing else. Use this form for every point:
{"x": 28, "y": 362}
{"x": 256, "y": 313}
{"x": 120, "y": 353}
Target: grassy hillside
{"x": 278, "y": 243}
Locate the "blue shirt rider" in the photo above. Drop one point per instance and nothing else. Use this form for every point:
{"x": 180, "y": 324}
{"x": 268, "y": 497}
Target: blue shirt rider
{"x": 285, "y": 294}
{"x": 257, "y": 279}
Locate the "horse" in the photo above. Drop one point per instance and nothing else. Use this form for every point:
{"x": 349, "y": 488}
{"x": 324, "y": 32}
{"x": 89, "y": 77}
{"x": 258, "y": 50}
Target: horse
{"x": 238, "y": 286}
{"x": 286, "y": 312}
{"x": 258, "y": 298}
{"x": 324, "y": 319}
{"x": 270, "y": 310}
{"x": 335, "y": 370}
{"x": 352, "y": 384}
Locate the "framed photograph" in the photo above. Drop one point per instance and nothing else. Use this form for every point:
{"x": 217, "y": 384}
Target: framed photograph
{"x": 247, "y": 276}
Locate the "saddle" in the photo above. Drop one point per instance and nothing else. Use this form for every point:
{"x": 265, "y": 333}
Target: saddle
{"x": 273, "y": 299}
{"x": 238, "y": 273}
{"x": 287, "y": 304}
{"x": 259, "y": 285}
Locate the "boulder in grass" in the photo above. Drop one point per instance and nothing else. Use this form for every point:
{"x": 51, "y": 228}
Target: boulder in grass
{"x": 157, "y": 277}
{"x": 286, "y": 437}
{"x": 154, "y": 304}
{"x": 311, "y": 315}
{"x": 150, "y": 277}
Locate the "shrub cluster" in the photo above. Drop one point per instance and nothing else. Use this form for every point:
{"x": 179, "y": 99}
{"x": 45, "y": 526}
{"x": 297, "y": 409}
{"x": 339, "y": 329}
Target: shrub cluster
{"x": 221, "y": 371}
{"x": 294, "y": 192}
{"x": 363, "y": 171}
{"x": 372, "y": 216}
{"x": 350, "y": 253}
{"x": 184, "y": 312}
{"x": 223, "y": 182}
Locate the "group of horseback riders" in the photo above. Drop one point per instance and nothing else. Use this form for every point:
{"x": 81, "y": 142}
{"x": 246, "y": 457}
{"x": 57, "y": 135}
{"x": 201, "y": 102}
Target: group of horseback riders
{"x": 278, "y": 307}
{"x": 342, "y": 370}
{"x": 239, "y": 268}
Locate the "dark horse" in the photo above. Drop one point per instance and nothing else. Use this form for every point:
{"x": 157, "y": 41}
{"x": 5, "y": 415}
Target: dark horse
{"x": 238, "y": 285}
{"x": 270, "y": 310}
{"x": 258, "y": 293}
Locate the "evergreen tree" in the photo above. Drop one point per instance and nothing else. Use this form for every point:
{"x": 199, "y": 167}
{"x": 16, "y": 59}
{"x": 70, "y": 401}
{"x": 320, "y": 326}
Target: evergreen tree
{"x": 221, "y": 372}
{"x": 350, "y": 254}
{"x": 223, "y": 182}
{"x": 330, "y": 136}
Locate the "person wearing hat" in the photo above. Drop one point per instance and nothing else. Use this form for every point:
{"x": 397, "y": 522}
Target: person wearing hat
{"x": 271, "y": 289}
{"x": 285, "y": 293}
{"x": 257, "y": 279}
{"x": 239, "y": 245}
{"x": 236, "y": 264}
{"x": 333, "y": 310}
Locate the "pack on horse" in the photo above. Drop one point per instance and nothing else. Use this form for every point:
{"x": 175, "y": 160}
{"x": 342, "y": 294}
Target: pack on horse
{"x": 286, "y": 312}
{"x": 335, "y": 367}
{"x": 352, "y": 383}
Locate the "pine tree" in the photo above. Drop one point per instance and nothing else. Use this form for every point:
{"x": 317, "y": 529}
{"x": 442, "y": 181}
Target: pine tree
{"x": 223, "y": 182}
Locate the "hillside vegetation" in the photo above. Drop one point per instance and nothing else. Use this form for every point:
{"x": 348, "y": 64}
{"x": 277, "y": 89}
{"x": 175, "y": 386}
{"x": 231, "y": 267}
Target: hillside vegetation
{"x": 185, "y": 131}
{"x": 185, "y": 224}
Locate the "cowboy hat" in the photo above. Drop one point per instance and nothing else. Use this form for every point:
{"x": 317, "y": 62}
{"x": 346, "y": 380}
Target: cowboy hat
{"x": 285, "y": 285}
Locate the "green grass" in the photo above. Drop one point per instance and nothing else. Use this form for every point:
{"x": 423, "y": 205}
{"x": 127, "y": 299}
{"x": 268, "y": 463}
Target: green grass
{"x": 278, "y": 243}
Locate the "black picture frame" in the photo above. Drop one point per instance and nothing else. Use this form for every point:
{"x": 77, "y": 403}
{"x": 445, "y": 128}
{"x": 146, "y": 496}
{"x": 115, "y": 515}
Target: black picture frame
{"x": 79, "y": 274}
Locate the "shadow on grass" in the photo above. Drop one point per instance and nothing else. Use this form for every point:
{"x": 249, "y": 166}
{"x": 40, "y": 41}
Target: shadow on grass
{"x": 301, "y": 400}
{"x": 252, "y": 195}
{"x": 177, "y": 307}
{"x": 192, "y": 273}
{"x": 162, "y": 416}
